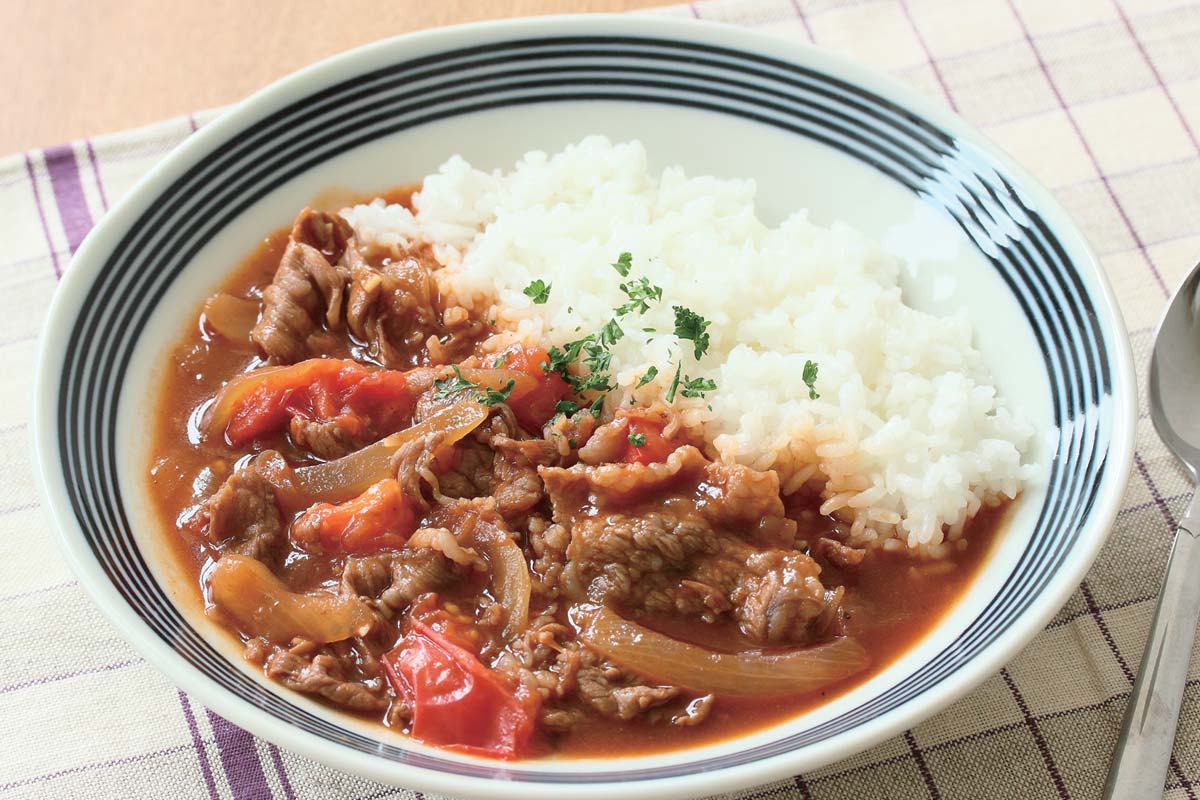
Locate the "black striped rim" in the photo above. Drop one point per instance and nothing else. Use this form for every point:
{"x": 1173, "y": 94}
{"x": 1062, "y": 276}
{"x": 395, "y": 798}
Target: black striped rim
{"x": 963, "y": 181}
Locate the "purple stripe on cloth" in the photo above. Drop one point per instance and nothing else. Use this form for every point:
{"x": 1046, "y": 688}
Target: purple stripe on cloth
{"x": 198, "y": 745}
{"x": 281, "y": 770}
{"x": 922, "y": 767}
{"x": 1087, "y": 148}
{"x": 1157, "y": 75}
{"x": 32, "y": 592}
{"x": 804, "y": 20}
{"x": 112, "y": 762}
{"x": 37, "y": 200}
{"x": 91, "y": 151}
{"x": 68, "y": 194}
{"x": 240, "y": 759}
{"x": 1035, "y": 730}
{"x": 802, "y": 787}
{"x": 62, "y": 676}
{"x": 937, "y": 71}
{"x": 1153, "y": 489}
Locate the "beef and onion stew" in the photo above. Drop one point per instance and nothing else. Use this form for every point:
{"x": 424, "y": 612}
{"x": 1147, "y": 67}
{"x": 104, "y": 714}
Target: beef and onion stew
{"x": 412, "y": 518}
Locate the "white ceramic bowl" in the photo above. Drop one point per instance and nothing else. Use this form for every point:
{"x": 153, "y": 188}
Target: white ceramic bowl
{"x": 813, "y": 130}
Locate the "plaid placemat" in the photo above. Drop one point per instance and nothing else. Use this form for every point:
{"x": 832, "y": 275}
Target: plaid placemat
{"x": 1100, "y": 99}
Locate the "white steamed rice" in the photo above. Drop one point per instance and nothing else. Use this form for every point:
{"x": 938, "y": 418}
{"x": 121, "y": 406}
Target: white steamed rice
{"x": 908, "y": 438}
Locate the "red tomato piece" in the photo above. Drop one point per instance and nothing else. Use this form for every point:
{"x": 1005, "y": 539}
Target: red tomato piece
{"x": 456, "y": 701}
{"x": 324, "y": 389}
{"x": 534, "y": 406}
{"x": 656, "y": 446}
{"x": 379, "y": 518}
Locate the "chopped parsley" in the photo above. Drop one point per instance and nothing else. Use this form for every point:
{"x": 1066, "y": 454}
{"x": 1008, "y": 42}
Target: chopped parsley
{"x": 501, "y": 360}
{"x": 454, "y": 384}
{"x": 566, "y": 407}
{"x": 637, "y": 439}
{"x": 810, "y": 379}
{"x": 690, "y": 325}
{"x": 611, "y": 333}
{"x": 538, "y": 291}
{"x": 674, "y": 385}
{"x": 451, "y": 385}
{"x": 696, "y": 387}
{"x": 650, "y": 375}
{"x": 640, "y": 293}
{"x": 623, "y": 264}
{"x": 492, "y": 396}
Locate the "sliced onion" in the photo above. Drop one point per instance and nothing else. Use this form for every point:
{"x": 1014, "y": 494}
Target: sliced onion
{"x": 349, "y": 476}
{"x": 511, "y": 585}
{"x": 232, "y": 317}
{"x": 239, "y": 387}
{"x": 263, "y": 606}
{"x": 661, "y": 658}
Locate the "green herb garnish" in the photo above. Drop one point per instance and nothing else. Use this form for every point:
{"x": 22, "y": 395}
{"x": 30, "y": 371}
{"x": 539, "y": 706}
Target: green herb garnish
{"x": 637, "y": 439}
{"x": 501, "y": 360}
{"x": 650, "y": 375}
{"x": 493, "y": 396}
{"x": 623, "y": 264}
{"x": 611, "y": 333}
{"x": 640, "y": 294}
{"x": 690, "y": 325}
{"x": 451, "y": 385}
{"x": 696, "y": 387}
{"x": 566, "y": 407}
{"x": 810, "y": 379}
{"x": 538, "y": 291}
{"x": 674, "y": 385}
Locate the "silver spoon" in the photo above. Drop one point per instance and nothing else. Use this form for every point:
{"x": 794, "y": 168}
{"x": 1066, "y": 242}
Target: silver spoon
{"x": 1139, "y": 766}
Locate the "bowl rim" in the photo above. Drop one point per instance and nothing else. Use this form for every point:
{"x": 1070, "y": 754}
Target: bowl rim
{"x": 90, "y": 258}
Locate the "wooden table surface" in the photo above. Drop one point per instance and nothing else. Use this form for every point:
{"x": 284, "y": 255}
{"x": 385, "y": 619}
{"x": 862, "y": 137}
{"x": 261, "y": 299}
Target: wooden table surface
{"x": 79, "y": 67}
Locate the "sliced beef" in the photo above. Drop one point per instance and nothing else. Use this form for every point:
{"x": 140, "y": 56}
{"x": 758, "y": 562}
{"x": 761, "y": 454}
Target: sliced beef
{"x": 243, "y": 515}
{"x": 471, "y": 472}
{"x": 330, "y": 439}
{"x": 597, "y": 689}
{"x": 394, "y": 308}
{"x": 337, "y": 679}
{"x": 607, "y": 443}
{"x": 837, "y": 553}
{"x": 515, "y": 483}
{"x": 779, "y": 597}
{"x": 570, "y": 435}
{"x": 747, "y": 502}
{"x": 307, "y": 290}
{"x": 396, "y": 579}
{"x": 671, "y": 538}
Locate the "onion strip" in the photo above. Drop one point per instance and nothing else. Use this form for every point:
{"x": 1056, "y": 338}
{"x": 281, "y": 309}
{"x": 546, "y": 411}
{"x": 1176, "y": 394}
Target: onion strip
{"x": 339, "y": 480}
{"x": 262, "y": 604}
{"x": 231, "y": 317}
{"x": 511, "y": 584}
{"x": 690, "y": 666}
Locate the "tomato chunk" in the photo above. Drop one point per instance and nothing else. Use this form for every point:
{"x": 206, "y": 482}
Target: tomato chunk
{"x": 655, "y": 446}
{"x": 379, "y": 518}
{"x": 456, "y": 701}
{"x": 534, "y": 405}
{"x": 325, "y": 389}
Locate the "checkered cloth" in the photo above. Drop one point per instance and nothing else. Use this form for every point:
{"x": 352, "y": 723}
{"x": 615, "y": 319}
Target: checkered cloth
{"x": 1100, "y": 99}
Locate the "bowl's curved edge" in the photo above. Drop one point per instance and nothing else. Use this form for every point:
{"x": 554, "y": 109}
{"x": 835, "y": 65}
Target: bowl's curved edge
{"x": 89, "y": 259}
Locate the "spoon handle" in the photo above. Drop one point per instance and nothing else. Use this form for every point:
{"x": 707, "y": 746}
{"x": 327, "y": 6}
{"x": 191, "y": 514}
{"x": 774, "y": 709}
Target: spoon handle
{"x": 1139, "y": 767}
